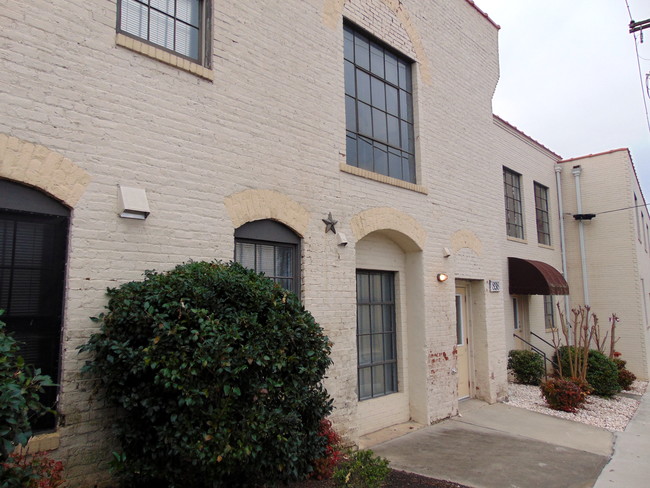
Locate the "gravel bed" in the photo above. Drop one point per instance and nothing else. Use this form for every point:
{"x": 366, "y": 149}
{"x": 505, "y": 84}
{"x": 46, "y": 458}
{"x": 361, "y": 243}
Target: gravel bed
{"x": 612, "y": 414}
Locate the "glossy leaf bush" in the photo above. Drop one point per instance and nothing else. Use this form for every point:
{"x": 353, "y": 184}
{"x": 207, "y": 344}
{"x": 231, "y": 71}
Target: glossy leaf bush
{"x": 602, "y": 372}
{"x": 526, "y": 366}
{"x": 218, "y": 373}
{"x": 20, "y": 389}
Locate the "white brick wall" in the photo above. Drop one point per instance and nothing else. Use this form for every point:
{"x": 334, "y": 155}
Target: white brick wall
{"x": 272, "y": 120}
{"x": 617, "y": 259}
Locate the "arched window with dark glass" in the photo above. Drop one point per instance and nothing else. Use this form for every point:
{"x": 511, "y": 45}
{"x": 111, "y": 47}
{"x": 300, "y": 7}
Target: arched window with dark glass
{"x": 33, "y": 248}
{"x": 272, "y": 248}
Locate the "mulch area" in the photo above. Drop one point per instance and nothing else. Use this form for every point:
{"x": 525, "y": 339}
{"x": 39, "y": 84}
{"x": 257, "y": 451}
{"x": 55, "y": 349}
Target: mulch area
{"x": 396, "y": 479}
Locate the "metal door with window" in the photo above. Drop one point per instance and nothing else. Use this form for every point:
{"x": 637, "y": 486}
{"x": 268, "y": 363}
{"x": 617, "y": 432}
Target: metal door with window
{"x": 462, "y": 342}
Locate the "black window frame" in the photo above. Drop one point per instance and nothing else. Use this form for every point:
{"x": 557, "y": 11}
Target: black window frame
{"x": 388, "y": 307}
{"x": 203, "y": 27}
{"x": 268, "y": 232}
{"x": 32, "y": 281}
{"x": 542, "y": 214}
{"x": 513, "y": 204}
{"x": 380, "y": 121}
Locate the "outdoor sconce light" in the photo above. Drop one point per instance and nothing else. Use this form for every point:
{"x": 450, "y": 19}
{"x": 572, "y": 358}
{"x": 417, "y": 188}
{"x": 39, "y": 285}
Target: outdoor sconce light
{"x": 442, "y": 277}
{"x": 133, "y": 203}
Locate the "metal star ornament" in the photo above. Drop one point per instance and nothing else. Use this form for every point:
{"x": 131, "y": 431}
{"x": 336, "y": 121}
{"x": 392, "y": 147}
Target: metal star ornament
{"x": 330, "y": 223}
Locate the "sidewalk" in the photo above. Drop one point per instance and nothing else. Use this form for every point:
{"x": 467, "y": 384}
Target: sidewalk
{"x": 629, "y": 467}
{"x": 500, "y": 446}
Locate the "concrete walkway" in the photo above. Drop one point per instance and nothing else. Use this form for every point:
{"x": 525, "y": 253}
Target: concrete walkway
{"x": 500, "y": 446}
{"x": 630, "y": 464}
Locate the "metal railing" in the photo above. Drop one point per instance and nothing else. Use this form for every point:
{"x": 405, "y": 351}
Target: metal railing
{"x": 537, "y": 350}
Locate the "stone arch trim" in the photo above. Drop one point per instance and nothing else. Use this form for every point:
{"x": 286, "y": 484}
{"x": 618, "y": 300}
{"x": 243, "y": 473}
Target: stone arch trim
{"x": 333, "y": 12}
{"x": 465, "y": 238}
{"x": 402, "y": 228}
{"x": 37, "y": 166}
{"x": 250, "y": 205}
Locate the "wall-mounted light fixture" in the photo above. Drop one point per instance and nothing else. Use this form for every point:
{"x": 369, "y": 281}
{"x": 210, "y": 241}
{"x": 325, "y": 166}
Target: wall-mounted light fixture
{"x": 133, "y": 203}
{"x": 442, "y": 277}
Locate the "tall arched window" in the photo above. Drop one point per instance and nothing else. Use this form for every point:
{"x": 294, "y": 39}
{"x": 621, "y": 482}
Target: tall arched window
{"x": 33, "y": 248}
{"x": 270, "y": 247}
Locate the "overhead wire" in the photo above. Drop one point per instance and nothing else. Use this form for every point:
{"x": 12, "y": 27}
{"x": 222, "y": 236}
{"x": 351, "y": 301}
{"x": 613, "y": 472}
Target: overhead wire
{"x": 638, "y": 63}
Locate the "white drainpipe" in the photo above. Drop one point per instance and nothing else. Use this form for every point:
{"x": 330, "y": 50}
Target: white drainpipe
{"x": 560, "y": 207}
{"x": 577, "y": 170}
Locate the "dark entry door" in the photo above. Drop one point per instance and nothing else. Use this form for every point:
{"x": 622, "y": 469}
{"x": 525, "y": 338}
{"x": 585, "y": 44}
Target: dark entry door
{"x": 32, "y": 266}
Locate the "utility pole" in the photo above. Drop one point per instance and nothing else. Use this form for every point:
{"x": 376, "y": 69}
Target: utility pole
{"x": 639, "y": 26}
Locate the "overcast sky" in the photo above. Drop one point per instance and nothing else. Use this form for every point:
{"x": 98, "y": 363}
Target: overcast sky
{"x": 569, "y": 75}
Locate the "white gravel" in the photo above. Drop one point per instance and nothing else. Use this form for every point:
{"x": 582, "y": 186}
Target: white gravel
{"x": 612, "y": 414}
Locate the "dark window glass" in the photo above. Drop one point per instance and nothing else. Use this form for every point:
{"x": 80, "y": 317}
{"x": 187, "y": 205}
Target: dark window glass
{"x": 376, "y": 334}
{"x": 541, "y": 212}
{"x": 512, "y": 191}
{"x": 381, "y": 108}
{"x": 269, "y": 247}
{"x": 549, "y": 316}
{"x": 175, "y": 25}
{"x": 32, "y": 267}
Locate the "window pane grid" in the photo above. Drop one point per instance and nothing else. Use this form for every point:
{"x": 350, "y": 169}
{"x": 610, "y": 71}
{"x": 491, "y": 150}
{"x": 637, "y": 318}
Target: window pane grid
{"x": 275, "y": 261}
{"x": 174, "y": 25}
{"x": 379, "y": 109}
{"x": 514, "y": 215}
{"x": 542, "y": 215}
{"x": 376, "y": 334}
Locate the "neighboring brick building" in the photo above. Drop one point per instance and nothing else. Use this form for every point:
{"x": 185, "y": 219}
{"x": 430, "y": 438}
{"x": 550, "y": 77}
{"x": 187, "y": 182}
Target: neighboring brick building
{"x": 236, "y": 128}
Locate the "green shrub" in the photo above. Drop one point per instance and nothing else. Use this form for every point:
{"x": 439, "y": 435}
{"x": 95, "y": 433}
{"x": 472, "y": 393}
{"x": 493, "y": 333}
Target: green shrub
{"x": 565, "y": 395}
{"x": 602, "y": 372}
{"x": 218, "y": 371}
{"x": 20, "y": 390}
{"x": 527, "y": 366}
{"x": 362, "y": 469}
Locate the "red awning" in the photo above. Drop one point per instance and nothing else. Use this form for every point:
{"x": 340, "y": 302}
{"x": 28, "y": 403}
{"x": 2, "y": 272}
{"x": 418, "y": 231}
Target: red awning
{"x": 528, "y": 277}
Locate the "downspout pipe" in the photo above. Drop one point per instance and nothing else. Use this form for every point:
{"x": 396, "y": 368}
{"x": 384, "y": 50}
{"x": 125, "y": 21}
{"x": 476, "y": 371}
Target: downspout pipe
{"x": 577, "y": 171}
{"x": 560, "y": 209}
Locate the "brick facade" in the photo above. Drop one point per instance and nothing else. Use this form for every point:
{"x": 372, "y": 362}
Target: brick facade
{"x": 259, "y": 133}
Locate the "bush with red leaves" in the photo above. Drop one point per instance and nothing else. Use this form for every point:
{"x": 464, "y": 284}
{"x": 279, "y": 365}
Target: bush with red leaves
{"x": 324, "y": 467}
{"x": 32, "y": 471}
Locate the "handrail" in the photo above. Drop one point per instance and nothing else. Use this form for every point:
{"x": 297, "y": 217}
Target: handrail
{"x": 537, "y": 350}
{"x": 542, "y": 339}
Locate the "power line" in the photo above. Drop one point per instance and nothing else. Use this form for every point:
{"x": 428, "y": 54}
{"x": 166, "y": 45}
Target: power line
{"x": 638, "y": 63}
{"x": 621, "y": 209}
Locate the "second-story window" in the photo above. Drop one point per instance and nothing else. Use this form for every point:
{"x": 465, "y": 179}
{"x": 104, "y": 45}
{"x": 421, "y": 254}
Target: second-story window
{"x": 541, "y": 212}
{"x": 178, "y": 26}
{"x": 514, "y": 214}
{"x": 378, "y": 108}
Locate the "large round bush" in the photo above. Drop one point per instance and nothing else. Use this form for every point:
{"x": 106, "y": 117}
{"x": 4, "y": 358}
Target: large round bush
{"x": 526, "y": 366}
{"x": 218, "y": 372}
{"x": 602, "y": 372}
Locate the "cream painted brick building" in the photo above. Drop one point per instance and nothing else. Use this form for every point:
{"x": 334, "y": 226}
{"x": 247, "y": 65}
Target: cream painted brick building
{"x": 245, "y": 131}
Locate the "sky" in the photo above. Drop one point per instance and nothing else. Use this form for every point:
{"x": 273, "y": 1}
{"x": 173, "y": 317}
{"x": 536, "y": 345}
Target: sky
{"x": 570, "y": 76}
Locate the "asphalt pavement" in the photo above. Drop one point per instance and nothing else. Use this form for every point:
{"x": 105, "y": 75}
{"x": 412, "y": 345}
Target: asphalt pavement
{"x": 501, "y": 446}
